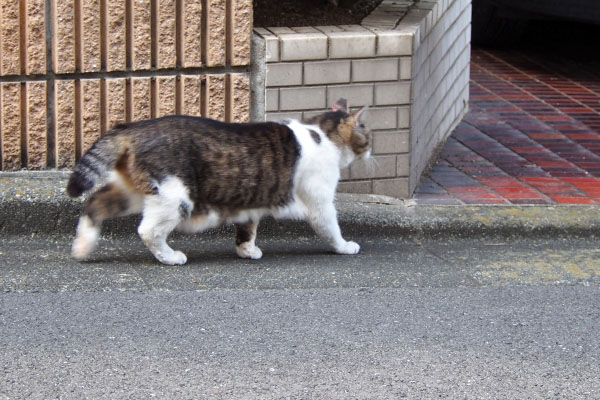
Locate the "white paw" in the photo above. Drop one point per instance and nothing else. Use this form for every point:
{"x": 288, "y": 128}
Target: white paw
{"x": 82, "y": 247}
{"x": 172, "y": 258}
{"x": 246, "y": 251}
{"x": 348, "y": 248}
{"x": 86, "y": 238}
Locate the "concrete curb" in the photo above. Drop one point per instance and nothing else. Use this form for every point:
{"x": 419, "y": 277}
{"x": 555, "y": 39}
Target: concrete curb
{"x": 35, "y": 203}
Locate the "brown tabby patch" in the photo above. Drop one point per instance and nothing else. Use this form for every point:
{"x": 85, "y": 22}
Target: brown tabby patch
{"x": 224, "y": 166}
{"x": 106, "y": 202}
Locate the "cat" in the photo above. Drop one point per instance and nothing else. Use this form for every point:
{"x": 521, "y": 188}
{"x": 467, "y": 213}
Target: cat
{"x": 193, "y": 173}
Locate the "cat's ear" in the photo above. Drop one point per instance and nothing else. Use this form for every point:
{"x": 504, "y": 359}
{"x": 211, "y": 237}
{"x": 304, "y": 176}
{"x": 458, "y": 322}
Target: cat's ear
{"x": 358, "y": 115}
{"x": 340, "y": 105}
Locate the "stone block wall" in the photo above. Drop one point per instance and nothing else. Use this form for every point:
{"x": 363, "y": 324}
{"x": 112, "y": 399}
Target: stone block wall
{"x": 71, "y": 69}
{"x": 408, "y": 61}
{"x": 441, "y": 79}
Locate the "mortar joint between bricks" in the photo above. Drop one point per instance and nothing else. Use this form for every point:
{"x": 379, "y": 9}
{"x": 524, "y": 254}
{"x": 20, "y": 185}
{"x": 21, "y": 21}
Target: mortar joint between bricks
{"x": 148, "y": 73}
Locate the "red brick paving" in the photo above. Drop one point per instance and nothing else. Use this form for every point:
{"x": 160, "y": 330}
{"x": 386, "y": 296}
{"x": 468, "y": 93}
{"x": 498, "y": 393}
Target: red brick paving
{"x": 532, "y": 135}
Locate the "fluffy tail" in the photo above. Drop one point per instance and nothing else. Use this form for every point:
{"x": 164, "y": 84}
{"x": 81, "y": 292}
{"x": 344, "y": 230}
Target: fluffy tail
{"x": 101, "y": 157}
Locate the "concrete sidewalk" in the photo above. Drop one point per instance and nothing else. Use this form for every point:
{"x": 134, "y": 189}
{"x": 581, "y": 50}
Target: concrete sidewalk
{"x": 35, "y": 202}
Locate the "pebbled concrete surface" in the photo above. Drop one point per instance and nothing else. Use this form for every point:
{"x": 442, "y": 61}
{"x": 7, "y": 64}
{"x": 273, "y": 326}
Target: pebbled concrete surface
{"x": 471, "y": 343}
{"x": 42, "y": 264}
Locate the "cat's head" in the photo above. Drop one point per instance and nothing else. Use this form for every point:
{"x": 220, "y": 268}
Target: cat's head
{"x": 346, "y": 129}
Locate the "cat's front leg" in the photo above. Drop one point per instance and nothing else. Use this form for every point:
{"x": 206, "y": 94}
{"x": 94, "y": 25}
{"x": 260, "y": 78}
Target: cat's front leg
{"x": 323, "y": 218}
{"x": 154, "y": 234}
{"x": 244, "y": 241}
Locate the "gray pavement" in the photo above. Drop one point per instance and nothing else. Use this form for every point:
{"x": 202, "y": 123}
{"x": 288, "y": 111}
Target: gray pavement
{"x": 473, "y": 343}
{"x": 442, "y": 302}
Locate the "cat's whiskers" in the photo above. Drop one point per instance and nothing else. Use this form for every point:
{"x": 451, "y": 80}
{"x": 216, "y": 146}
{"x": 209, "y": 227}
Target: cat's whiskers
{"x": 371, "y": 164}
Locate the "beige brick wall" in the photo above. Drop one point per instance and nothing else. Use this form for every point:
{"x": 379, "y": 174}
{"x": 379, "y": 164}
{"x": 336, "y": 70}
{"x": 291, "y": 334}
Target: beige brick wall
{"x": 111, "y": 61}
{"x": 441, "y": 78}
{"x": 408, "y": 61}
{"x": 309, "y": 69}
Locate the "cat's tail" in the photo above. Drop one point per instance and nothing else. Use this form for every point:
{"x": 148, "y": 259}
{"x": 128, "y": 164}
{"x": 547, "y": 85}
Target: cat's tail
{"x": 101, "y": 157}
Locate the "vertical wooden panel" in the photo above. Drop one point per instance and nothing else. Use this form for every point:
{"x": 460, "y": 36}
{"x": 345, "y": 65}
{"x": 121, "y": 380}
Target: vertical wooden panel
{"x": 192, "y": 95}
{"x": 192, "y": 33}
{"x": 215, "y": 33}
{"x": 141, "y": 100}
{"x": 142, "y": 35}
{"x": 10, "y": 124}
{"x": 37, "y": 130}
{"x": 215, "y": 97}
{"x": 115, "y": 102}
{"x": 90, "y": 113}
{"x": 239, "y": 97}
{"x": 166, "y": 88}
{"x": 90, "y": 40}
{"x": 240, "y": 32}
{"x": 115, "y": 35}
{"x": 65, "y": 123}
{"x": 167, "y": 53}
{"x": 64, "y": 36}
{"x": 36, "y": 37}
{"x": 10, "y": 36}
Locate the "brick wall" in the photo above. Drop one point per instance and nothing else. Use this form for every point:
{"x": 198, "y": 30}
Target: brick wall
{"x": 70, "y": 69}
{"x": 408, "y": 61}
{"x": 441, "y": 79}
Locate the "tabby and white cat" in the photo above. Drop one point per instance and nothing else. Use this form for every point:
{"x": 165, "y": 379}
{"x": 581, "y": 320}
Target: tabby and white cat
{"x": 192, "y": 174}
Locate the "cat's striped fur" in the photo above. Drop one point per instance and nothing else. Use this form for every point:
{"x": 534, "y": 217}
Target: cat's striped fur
{"x": 192, "y": 173}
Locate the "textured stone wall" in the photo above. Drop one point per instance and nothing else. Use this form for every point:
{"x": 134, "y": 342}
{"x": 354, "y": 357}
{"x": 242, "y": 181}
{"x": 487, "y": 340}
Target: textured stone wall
{"x": 71, "y": 69}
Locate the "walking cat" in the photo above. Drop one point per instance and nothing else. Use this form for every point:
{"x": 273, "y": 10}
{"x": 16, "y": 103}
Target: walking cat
{"x": 193, "y": 173}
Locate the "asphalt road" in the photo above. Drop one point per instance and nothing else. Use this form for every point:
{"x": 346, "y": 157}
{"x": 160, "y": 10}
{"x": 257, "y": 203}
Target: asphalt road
{"x": 408, "y": 317}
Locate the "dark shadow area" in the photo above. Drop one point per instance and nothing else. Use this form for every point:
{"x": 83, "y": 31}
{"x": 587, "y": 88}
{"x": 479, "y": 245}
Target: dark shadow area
{"x": 291, "y": 13}
{"x": 565, "y": 49}
{"x": 561, "y": 39}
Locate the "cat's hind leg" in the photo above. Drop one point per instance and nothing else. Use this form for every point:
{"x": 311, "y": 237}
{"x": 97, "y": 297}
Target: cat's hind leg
{"x": 112, "y": 200}
{"x": 162, "y": 213}
{"x": 244, "y": 241}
